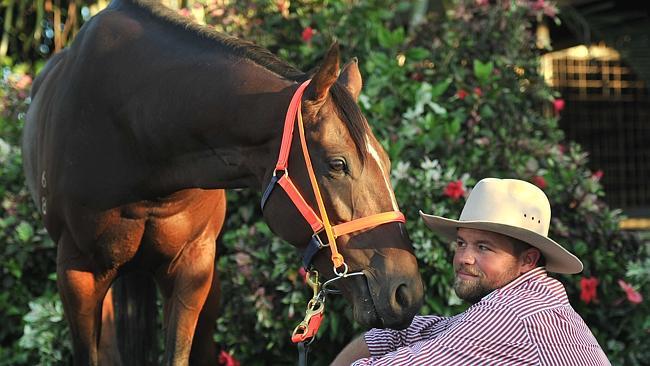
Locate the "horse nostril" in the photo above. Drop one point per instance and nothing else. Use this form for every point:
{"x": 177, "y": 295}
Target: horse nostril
{"x": 402, "y": 296}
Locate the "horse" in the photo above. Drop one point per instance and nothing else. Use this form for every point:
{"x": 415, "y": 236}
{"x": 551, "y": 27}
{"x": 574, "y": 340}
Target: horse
{"x": 136, "y": 129}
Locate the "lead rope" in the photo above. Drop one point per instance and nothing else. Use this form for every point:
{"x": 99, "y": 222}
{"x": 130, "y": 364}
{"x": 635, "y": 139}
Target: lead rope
{"x": 303, "y": 350}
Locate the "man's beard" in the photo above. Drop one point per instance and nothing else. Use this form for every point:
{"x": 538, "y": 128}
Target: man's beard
{"x": 475, "y": 289}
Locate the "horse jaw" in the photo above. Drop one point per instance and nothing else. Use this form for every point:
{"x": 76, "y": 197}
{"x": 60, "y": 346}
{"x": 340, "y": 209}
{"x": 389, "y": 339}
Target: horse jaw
{"x": 363, "y": 307}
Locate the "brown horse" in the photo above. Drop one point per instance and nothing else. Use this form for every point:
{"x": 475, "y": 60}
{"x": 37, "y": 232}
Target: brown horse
{"x": 134, "y": 131}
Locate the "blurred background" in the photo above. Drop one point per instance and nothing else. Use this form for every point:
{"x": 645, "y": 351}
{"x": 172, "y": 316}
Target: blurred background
{"x": 555, "y": 93}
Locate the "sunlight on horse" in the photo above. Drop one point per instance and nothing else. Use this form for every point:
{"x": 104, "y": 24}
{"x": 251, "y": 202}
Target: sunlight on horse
{"x": 135, "y": 130}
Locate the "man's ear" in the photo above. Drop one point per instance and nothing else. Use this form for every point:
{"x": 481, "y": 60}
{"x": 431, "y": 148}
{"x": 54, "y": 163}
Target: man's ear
{"x": 350, "y": 78}
{"x": 529, "y": 258}
{"x": 325, "y": 77}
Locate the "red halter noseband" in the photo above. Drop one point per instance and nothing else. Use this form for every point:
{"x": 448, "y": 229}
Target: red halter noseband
{"x": 317, "y": 223}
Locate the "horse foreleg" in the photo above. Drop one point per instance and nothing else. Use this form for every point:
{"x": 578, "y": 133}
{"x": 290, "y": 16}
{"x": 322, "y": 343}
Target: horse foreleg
{"x": 82, "y": 292}
{"x": 190, "y": 280}
{"x": 204, "y": 349}
{"x": 108, "y": 352}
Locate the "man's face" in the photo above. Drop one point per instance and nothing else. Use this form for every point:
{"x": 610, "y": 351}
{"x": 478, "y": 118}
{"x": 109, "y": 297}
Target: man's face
{"x": 483, "y": 262}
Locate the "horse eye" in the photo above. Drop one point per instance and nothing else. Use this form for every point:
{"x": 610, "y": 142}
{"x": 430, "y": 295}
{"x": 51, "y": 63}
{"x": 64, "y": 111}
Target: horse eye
{"x": 338, "y": 165}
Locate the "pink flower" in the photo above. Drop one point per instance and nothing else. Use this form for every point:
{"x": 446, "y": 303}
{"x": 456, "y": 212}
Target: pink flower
{"x": 24, "y": 82}
{"x": 598, "y": 175}
{"x": 538, "y": 5}
{"x": 548, "y": 8}
{"x": 482, "y": 2}
{"x": 558, "y": 105}
{"x": 478, "y": 91}
{"x": 185, "y": 13}
{"x": 227, "y": 360}
{"x": 283, "y": 7}
{"x": 303, "y": 274}
{"x": 632, "y": 295}
{"x": 461, "y": 94}
{"x": 307, "y": 34}
{"x": 539, "y": 181}
{"x": 454, "y": 190}
{"x": 588, "y": 289}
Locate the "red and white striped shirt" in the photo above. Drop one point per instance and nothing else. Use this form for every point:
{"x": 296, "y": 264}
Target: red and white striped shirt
{"x": 527, "y": 322}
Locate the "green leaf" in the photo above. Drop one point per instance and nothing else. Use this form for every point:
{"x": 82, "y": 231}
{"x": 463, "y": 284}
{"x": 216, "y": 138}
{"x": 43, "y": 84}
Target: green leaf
{"x": 24, "y": 231}
{"x": 383, "y": 36}
{"x": 483, "y": 71}
{"x": 417, "y": 53}
{"x": 486, "y": 111}
{"x": 439, "y": 88}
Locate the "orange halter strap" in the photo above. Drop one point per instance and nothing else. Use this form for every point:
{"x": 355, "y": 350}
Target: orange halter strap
{"x": 318, "y": 224}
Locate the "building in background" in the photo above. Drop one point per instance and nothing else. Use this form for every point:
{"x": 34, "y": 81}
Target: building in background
{"x": 601, "y": 66}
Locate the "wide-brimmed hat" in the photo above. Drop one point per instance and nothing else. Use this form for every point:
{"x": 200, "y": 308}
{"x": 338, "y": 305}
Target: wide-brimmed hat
{"x": 514, "y": 208}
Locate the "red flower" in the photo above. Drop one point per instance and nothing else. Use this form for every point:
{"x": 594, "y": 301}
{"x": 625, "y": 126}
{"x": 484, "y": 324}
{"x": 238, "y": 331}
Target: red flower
{"x": 307, "y": 34}
{"x": 598, "y": 175}
{"x": 632, "y": 295}
{"x": 539, "y": 181}
{"x": 588, "y": 289}
{"x": 227, "y": 360}
{"x": 558, "y": 105}
{"x": 482, "y": 2}
{"x": 454, "y": 190}
{"x": 417, "y": 76}
{"x": 461, "y": 94}
{"x": 478, "y": 91}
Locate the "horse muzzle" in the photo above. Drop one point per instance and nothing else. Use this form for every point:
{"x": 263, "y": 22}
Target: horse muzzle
{"x": 385, "y": 304}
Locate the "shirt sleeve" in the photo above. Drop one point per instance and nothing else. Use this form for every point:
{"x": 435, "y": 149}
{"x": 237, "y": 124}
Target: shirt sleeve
{"x": 479, "y": 336}
{"x": 383, "y": 341}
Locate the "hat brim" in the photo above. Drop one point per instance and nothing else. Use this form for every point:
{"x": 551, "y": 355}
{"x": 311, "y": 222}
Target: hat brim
{"x": 558, "y": 259}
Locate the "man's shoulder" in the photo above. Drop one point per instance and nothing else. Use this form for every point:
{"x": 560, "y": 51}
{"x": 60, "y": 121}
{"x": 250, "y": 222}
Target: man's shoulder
{"x": 534, "y": 294}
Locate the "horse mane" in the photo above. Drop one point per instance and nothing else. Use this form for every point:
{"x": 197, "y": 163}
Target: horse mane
{"x": 347, "y": 108}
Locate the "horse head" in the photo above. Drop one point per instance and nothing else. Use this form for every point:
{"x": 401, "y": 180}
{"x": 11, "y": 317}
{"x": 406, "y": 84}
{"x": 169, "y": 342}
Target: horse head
{"x": 352, "y": 173}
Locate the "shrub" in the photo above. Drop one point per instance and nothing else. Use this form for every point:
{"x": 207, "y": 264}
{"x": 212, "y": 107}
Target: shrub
{"x": 454, "y": 99}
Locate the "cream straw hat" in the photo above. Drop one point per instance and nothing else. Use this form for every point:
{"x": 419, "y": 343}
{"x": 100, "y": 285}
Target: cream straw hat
{"x": 514, "y": 208}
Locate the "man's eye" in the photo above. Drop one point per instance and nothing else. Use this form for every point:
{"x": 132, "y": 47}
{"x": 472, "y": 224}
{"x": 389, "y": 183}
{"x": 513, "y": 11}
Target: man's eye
{"x": 460, "y": 244}
{"x": 338, "y": 165}
{"x": 483, "y": 248}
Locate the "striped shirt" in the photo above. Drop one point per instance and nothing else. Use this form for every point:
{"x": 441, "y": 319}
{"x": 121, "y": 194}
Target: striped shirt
{"x": 527, "y": 322}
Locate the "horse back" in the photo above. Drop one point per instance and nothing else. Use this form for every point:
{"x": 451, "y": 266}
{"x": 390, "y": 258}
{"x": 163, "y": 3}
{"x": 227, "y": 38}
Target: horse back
{"x": 71, "y": 142}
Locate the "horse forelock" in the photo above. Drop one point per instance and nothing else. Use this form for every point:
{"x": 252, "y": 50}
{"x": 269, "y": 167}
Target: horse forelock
{"x": 349, "y": 112}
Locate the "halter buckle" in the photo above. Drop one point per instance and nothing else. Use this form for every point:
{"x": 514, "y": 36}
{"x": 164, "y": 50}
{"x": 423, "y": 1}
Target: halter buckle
{"x": 319, "y": 241}
{"x": 284, "y": 171}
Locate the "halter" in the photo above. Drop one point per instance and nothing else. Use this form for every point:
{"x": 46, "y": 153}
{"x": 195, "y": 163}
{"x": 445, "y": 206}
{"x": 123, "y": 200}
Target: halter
{"x": 281, "y": 177}
{"x": 318, "y": 224}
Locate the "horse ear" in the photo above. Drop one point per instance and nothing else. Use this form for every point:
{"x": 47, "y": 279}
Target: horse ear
{"x": 351, "y": 78}
{"x": 324, "y": 78}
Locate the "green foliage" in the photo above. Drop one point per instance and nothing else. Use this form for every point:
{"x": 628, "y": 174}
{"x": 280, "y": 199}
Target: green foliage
{"x": 27, "y": 254}
{"x": 35, "y": 29}
{"x": 453, "y": 100}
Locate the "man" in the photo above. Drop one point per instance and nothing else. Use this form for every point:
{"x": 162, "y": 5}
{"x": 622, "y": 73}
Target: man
{"x": 519, "y": 315}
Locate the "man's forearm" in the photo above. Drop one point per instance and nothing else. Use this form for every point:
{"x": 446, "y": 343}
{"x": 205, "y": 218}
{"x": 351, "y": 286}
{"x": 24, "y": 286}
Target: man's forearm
{"x": 353, "y": 351}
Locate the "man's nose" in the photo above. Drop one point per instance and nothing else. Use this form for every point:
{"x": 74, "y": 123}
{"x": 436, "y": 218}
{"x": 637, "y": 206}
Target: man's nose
{"x": 465, "y": 256}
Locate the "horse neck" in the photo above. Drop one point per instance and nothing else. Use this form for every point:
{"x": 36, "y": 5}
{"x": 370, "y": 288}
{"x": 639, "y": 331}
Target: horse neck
{"x": 205, "y": 116}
